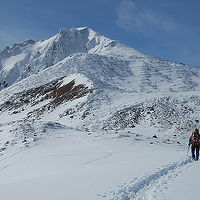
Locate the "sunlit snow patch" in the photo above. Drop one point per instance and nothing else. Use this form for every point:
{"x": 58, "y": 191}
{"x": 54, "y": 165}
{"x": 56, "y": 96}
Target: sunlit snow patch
{"x": 9, "y": 63}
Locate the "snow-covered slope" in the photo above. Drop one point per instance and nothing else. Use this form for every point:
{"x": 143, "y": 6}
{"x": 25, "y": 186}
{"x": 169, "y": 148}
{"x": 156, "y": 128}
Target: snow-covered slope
{"x": 121, "y": 89}
{"x": 22, "y": 60}
{"x": 69, "y": 165}
{"x": 77, "y": 99}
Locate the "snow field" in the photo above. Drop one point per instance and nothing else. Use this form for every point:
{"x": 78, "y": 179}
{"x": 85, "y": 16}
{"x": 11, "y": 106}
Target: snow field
{"x": 69, "y": 165}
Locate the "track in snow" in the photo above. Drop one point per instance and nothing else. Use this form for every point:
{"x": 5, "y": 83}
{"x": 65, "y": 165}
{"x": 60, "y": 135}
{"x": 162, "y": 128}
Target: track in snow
{"x": 97, "y": 159}
{"x": 105, "y": 155}
{"x": 150, "y": 186}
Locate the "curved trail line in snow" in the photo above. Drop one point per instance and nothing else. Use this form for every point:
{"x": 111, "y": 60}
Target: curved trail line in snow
{"x": 53, "y": 156}
{"x": 12, "y": 155}
{"x": 142, "y": 189}
{"x": 107, "y": 152}
{"x": 101, "y": 155}
{"x": 98, "y": 159}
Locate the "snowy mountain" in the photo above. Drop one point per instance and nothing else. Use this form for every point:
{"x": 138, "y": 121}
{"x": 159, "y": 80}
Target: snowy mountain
{"x": 81, "y": 79}
{"x": 22, "y": 60}
{"x": 75, "y": 111}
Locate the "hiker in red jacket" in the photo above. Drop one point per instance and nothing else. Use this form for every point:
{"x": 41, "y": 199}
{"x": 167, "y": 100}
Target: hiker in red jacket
{"x": 195, "y": 142}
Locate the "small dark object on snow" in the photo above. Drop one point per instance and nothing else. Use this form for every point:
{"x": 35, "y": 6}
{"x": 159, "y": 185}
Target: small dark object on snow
{"x": 2, "y": 149}
{"x": 155, "y": 136}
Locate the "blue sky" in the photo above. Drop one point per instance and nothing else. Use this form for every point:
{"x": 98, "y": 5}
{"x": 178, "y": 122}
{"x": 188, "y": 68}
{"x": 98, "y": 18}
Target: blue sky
{"x": 169, "y": 29}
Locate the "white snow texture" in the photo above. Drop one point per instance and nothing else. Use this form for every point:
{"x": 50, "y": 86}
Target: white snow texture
{"x": 84, "y": 117}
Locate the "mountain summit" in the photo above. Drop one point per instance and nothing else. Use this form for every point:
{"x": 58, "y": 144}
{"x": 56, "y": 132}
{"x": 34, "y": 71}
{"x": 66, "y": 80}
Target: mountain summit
{"x": 30, "y": 57}
{"x": 84, "y": 80}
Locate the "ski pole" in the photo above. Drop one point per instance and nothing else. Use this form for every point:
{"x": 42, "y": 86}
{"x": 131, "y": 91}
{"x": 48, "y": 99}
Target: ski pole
{"x": 187, "y": 151}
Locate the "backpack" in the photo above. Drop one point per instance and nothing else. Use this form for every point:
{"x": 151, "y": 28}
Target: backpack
{"x": 195, "y": 139}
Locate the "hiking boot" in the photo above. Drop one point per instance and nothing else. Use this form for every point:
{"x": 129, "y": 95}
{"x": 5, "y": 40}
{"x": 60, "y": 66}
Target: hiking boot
{"x": 194, "y": 159}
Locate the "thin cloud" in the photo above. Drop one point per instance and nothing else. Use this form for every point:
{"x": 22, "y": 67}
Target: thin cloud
{"x": 132, "y": 18}
{"x": 125, "y": 14}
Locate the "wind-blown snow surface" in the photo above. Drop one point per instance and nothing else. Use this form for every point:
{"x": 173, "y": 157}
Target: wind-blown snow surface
{"x": 86, "y": 117}
{"x": 70, "y": 165}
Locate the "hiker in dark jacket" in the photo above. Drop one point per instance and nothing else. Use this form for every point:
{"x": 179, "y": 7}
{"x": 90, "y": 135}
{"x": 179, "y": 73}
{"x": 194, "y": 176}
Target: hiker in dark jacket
{"x": 195, "y": 142}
